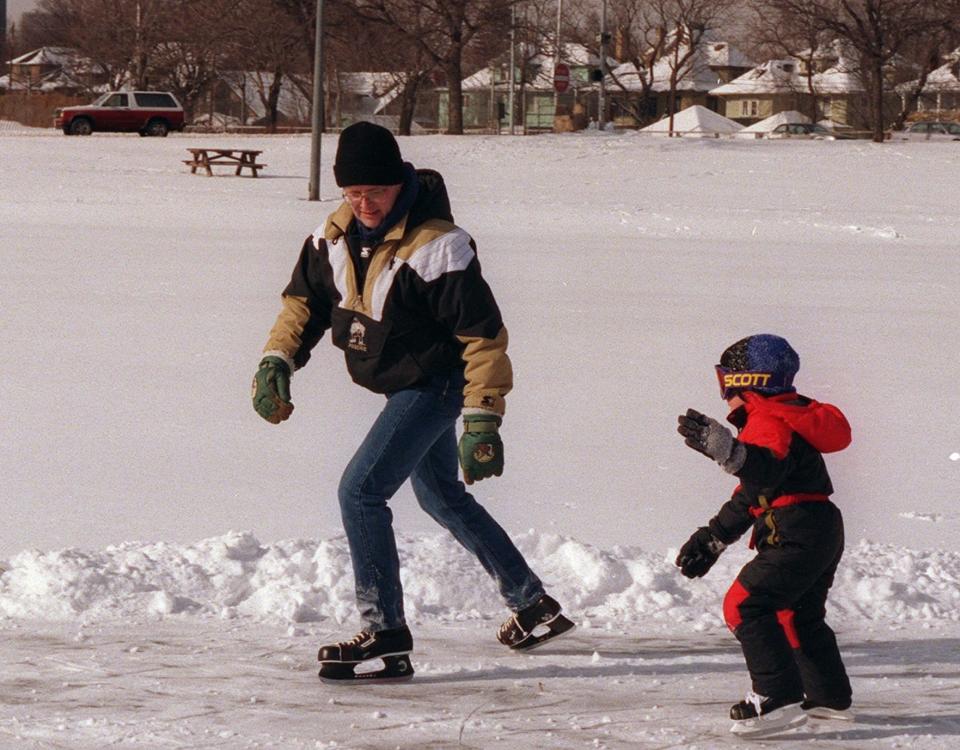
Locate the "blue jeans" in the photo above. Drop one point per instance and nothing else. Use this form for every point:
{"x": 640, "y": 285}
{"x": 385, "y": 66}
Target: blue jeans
{"x": 414, "y": 436}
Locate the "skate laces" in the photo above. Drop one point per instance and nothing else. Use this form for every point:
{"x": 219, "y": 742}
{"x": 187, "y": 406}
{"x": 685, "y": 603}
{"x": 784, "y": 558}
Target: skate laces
{"x": 507, "y": 628}
{"x": 754, "y": 699}
{"x": 357, "y": 639}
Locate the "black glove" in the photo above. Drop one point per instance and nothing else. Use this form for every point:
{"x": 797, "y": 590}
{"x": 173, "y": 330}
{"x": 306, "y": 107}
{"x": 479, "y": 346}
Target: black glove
{"x": 712, "y": 439}
{"x": 699, "y": 554}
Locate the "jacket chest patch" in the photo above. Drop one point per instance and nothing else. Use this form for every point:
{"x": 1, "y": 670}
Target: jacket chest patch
{"x": 358, "y": 336}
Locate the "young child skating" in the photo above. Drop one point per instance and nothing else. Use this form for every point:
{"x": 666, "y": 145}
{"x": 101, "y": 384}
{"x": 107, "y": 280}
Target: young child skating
{"x": 776, "y": 605}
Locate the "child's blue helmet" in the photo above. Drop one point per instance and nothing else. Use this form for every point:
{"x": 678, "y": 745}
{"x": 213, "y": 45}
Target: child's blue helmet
{"x": 764, "y": 363}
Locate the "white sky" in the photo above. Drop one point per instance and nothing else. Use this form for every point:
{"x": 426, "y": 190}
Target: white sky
{"x": 16, "y": 7}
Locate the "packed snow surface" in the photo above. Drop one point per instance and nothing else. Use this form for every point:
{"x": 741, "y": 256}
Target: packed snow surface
{"x": 137, "y": 297}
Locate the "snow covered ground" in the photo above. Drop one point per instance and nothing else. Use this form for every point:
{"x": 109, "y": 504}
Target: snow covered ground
{"x": 136, "y": 298}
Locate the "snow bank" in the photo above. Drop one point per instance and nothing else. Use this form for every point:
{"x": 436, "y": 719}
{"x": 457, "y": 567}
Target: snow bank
{"x": 309, "y": 580}
{"x": 694, "y": 120}
{"x": 11, "y": 127}
{"x": 781, "y": 118}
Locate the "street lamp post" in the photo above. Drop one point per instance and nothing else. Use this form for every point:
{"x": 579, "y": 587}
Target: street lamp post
{"x": 601, "y": 103}
{"x": 557, "y": 57}
{"x": 511, "y": 100}
{"x": 316, "y": 114}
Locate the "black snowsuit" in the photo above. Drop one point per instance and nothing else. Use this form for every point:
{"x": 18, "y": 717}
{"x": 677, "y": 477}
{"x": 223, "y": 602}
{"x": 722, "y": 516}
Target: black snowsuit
{"x": 776, "y": 606}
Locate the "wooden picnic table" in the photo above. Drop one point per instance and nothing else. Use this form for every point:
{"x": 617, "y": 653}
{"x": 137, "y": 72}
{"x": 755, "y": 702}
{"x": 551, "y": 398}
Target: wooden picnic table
{"x": 239, "y": 158}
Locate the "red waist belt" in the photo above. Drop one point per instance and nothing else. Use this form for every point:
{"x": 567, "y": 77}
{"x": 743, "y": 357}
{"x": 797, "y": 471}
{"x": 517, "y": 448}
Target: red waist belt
{"x": 785, "y": 500}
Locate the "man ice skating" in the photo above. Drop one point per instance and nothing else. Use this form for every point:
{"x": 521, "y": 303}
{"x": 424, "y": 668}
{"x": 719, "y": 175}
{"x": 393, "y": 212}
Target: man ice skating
{"x": 400, "y": 288}
{"x": 776, "y": 606}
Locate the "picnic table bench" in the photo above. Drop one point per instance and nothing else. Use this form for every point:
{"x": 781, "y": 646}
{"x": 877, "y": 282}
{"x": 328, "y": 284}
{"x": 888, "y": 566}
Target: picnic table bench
{"x": 240, "y": 158}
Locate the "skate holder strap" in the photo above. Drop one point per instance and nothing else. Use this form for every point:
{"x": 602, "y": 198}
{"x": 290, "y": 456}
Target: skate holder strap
{"x": 785, "y": 500}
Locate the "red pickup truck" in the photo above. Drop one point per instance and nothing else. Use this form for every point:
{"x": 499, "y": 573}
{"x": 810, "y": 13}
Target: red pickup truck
{"x": 144, "y": 112}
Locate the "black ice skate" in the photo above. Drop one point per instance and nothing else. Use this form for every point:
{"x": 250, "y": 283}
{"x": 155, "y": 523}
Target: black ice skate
{"x": 338, "y": 661}
{"x": 818, "y": 710}
{"x": 534, "y": 625}
{"x": 759, "y": 716}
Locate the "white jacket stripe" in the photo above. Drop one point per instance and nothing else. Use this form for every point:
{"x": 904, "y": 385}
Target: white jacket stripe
{"x": 447, "y": 253}
{"x": 339, "y": 255}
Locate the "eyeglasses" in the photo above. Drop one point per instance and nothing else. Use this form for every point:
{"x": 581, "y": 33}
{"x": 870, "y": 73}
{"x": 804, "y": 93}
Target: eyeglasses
{"x": 374, "y": 195}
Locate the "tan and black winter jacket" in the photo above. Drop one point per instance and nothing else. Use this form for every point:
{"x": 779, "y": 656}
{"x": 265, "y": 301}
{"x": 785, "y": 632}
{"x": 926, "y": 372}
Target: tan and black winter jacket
{"x": 424, "y": 309}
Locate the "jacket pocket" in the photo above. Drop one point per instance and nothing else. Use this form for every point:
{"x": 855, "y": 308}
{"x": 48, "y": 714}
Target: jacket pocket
{"x": 358, "y": 335}
{"x": 374, "y": 358}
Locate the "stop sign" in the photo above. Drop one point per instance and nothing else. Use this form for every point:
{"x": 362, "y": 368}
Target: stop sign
{"x": 561, "y": 78}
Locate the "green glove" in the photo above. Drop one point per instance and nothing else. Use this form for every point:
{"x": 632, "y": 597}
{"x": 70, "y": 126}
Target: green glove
{"x": 271, "y": 390}
{"x": 481, "y": 449}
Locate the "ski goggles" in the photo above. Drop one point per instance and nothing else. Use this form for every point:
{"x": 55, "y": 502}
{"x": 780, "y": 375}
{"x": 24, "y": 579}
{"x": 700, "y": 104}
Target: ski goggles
{"x": 734, "y": 381}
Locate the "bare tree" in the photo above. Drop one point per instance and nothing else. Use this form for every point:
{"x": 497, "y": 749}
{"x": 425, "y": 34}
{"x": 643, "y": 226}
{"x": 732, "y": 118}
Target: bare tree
{"x": 267, "y": 40}
{"x": 642, "y": 33}
{"x": 663, "y": 40}
{"x": 101, "y": 30}
{"x": 879, "y": 32}
{"x": 927, "y": 53}
{"x": 690, "y": 23}
{"x": 444, "y": 30}
{"x": 197, "y": 45}
{"x": 780, "y": 31}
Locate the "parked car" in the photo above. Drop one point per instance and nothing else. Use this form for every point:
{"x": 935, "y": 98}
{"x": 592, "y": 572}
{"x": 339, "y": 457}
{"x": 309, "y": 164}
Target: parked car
{"x": 144, "y": 112}
{"x": 929, "y": 131}
{"x": 810, "y": 130}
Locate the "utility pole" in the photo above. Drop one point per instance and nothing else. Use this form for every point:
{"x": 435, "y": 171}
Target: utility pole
{"x": 138, "y": 47}
{"x": 513, "y": 67}
{"x": 604, "y": 39}
{"x": 556, "y": 56}
{"x": 316, "y": 113}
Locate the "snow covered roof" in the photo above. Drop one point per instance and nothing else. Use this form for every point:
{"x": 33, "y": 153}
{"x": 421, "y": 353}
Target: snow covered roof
{"x": 840, "y": 79}
{"x": 767, "y": 125}
{"x": 771, "y": 77}
{"x": 575, "y": 55}
{"x": 247, "y": 85}
{"x": 700, "y": 72}
{"x": 695, "y": 119}
{"x": 47, "y": 56}
{"x": 783, "y": 76}
{"x": 946, "y": 78}
{"x": 54, "y": 80}
{"x": 375, "y": 84}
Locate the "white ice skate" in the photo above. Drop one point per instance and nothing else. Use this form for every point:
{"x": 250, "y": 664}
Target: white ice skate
{"x": 819, "y": 711}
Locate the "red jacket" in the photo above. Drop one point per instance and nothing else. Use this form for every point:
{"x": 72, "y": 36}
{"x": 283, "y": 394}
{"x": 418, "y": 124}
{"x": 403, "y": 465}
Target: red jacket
{"x": 785, "y": 437}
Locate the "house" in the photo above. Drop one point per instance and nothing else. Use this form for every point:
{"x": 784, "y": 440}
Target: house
{"x": 53, "y": 69}
{"x": 241, "y": 96}
{"x": 382, "y": 101}
{"x": 834, "y": 93}
{"x": 771, "y": 87}
{"x": 486, "y": 93}
{"x": 639, "y": 95}
{"x": 840, "y": 96}
{"x": 941, "y": 90}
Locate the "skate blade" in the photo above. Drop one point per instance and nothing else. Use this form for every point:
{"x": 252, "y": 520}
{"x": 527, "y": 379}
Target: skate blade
{"x": 824, "y": 713}
{"x": 544, "y": 633}
{"x": 782, "y": 720}
{"x": 395, "y": 669}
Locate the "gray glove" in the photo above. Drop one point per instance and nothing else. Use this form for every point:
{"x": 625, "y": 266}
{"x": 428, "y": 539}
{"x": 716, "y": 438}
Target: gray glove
{"x": 712, "y": 439}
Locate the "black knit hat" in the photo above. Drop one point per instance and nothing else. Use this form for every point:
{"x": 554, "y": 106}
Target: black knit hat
{"x": 367, "y": 154}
